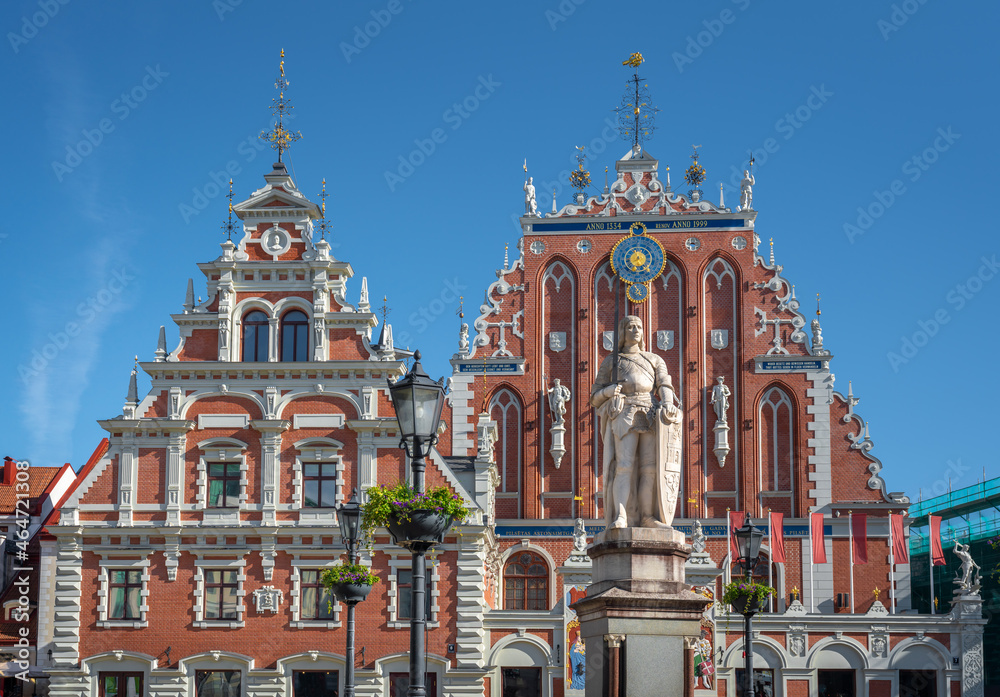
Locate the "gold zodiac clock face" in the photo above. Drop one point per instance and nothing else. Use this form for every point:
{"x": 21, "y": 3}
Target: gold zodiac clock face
{"x": 637, "y": 260}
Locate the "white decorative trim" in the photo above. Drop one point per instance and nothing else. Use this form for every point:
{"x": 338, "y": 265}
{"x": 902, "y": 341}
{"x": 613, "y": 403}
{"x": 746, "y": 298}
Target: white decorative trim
{"x": 104, "y": 592}
{"x": 223, "y": 421}
{"x": 317, "y": 421}
{"x": 433, "y": 584}
{"x": 228, "y": 451}
{"x": 199, "y": 591}
{"x": 295, "y": 594}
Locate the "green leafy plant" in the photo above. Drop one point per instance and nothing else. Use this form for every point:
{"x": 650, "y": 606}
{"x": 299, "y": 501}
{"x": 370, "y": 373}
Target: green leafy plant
{"x": 743, "y": 588}
{"x": 355, "y": 574}
{"x": 400, "y": 500}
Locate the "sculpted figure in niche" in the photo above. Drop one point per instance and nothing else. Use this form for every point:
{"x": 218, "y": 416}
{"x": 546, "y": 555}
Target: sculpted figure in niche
{"x": 558, "y": 396}
{"x": 720, "y": 399}
{"x": 641, "y": 434}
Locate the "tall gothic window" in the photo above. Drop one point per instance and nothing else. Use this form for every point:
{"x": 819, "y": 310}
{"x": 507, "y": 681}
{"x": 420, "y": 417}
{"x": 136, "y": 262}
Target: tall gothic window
{"x": 294, "y": 336}
{"x": 255, "y": 330}
{"x": 505, "y": 409}
{"x": 526, "y": 582}
{"x": 777, "y": 451}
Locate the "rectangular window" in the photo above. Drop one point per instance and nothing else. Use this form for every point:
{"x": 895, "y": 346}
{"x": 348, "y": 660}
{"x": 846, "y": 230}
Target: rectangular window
{"x": 317, "y": 601}
{"x": 223, "y": 485}
{"x": 835, "y": 682}
{"x": 315, "y": 683}
{"x": 763, "y": 682}
{"x": 917, "y": 683}
{"x": 220, "y": 595}
{"x": 522, "y": 682}
{"x": 319, "y": 480}
{"x": 404, "y": 586}
{"x": 117, "y": 685}
{"x": 217, "y": 683}
{"x": 399, "y": 683}
{"x": 125, "y": 594}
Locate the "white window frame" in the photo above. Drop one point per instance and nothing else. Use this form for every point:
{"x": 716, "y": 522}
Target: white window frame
{"x": 228, "y": 451}
{"x": 296, "y": 595}
{"x": 104, "y": 593}
{"x": 313, "y": 450}
{"x": 199, "y": 592}
{"x": 434, "y": 582}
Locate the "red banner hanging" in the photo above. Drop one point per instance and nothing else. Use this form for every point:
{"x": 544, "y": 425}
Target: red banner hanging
{"x": 859, "y": 530}
{"x": 900, "y": 553}
{"x": 778, "y": 537}
{"x": 818, "y": 543}
{"x": 736, "y": 519}
{"x": 937, "y": 554}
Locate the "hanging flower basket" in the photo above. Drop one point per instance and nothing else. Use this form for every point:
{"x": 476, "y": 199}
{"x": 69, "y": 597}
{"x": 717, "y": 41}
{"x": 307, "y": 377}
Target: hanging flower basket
{"x": 349, "y": 583}
{"x": 746, "y": 597}
{"x": 414, "y": 520}
{"x": 418, "y": 527}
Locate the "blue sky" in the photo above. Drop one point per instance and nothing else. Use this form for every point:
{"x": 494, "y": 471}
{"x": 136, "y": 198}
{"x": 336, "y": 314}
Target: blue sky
{"x": 876, "y": 190}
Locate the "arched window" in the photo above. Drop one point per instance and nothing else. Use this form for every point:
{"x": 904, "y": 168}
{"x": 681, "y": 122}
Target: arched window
{"x": 294, "y": 336}
{"x": 255, "y": 329}
{"x": 526, "y": 582}
{"x": 777, "y": 452}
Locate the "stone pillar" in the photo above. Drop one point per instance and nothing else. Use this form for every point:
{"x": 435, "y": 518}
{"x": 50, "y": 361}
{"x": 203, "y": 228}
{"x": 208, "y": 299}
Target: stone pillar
{"x": 639, "y": 592}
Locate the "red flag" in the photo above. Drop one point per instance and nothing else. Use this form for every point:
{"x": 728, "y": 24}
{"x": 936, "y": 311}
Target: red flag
{"x": 818, "y": 543}
{"x": 778, "y": 537}
{"x": 736, "y": 519}
{"x": 900, "y": 554}
{"x": 937, "y": 554}
{"x": 859, "y": 529}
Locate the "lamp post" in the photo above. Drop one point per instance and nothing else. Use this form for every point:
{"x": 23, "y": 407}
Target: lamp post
{"x": 748, "y": 539}
{"x": 417, "y": 401}
{"x": 349, "y": 517}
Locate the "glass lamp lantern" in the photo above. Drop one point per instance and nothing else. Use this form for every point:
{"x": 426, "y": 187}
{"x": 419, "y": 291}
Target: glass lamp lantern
{"x": 748, "y": 539}
{"x": 418, "y": 401}
{"x": 349, "y": 517}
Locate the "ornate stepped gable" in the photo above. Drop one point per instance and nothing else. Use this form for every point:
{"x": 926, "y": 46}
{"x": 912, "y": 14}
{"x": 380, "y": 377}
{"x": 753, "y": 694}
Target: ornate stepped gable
{"x": 718, "y": 309}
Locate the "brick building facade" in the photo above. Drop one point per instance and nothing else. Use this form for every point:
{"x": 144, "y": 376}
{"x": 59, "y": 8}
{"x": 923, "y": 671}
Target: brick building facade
{"x": 185, "y": 560}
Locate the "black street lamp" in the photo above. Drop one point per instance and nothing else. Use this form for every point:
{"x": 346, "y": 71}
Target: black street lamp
{"x": 417, "y": 401}
{"x": 349, "y": 517}
{"x": 748, "y": 539}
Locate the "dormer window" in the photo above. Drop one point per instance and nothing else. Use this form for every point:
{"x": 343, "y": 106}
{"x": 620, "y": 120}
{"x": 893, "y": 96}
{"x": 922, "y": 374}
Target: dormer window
{"x": 294, "y": 336}
{"x": 255, "y": 330}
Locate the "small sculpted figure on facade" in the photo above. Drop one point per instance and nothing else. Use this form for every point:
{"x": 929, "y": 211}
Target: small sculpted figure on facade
{"x": 580, "y": 536}
{"x": 641, "y": 431}
{"x": 746, "y": 191}
{"x": 530, "y": 205}
{"x": 720, "y": 399}
{"x": 965, "y": 578}
{"x": 697, "y": 537}
{"x": 558, "y": 396}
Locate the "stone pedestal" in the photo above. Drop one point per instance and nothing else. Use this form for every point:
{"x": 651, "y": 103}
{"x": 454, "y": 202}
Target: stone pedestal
{"x": 638, "y": 614}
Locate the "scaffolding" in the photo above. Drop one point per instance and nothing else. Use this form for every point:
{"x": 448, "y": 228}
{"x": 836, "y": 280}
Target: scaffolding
{"x": 970, "y": 515}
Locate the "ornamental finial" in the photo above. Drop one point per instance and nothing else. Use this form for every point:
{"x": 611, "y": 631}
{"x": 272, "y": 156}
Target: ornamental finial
{"x": 228, "y": 225}
{"x": 635, "y": 115}
{"x": 579, "y": 178}
{"x": 695, "y": 174}
{"x": 323, "y": 225}
{"x": 279, "y": 137}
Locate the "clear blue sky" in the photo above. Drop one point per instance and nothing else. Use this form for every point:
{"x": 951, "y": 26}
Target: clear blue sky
{"x": 98, "y": 235}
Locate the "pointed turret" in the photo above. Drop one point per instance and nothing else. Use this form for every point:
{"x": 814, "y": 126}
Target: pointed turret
{"x": 189, "y": 298}
{"x": 132, "y": 398}
{"x": 161, "y": 345}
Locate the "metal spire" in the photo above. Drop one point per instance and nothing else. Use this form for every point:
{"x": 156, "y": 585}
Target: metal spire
{"x": 228, "y": 225}
{"x": 323, "y": 225}
{"x": 279, "y": 137}
{"x": 635, "y": 115}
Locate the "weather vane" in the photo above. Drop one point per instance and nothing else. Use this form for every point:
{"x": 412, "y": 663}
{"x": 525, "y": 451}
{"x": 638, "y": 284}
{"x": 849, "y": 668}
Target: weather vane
{"x": 636, "y": 118}
{"x": 385, "y": 308}
{"x": 324, "y": 225}
{"x": 228, "y": 226}
{"x": 579, "y": 178}
{"x": 279, "y": 137}
{"x": 695, "y": 174}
